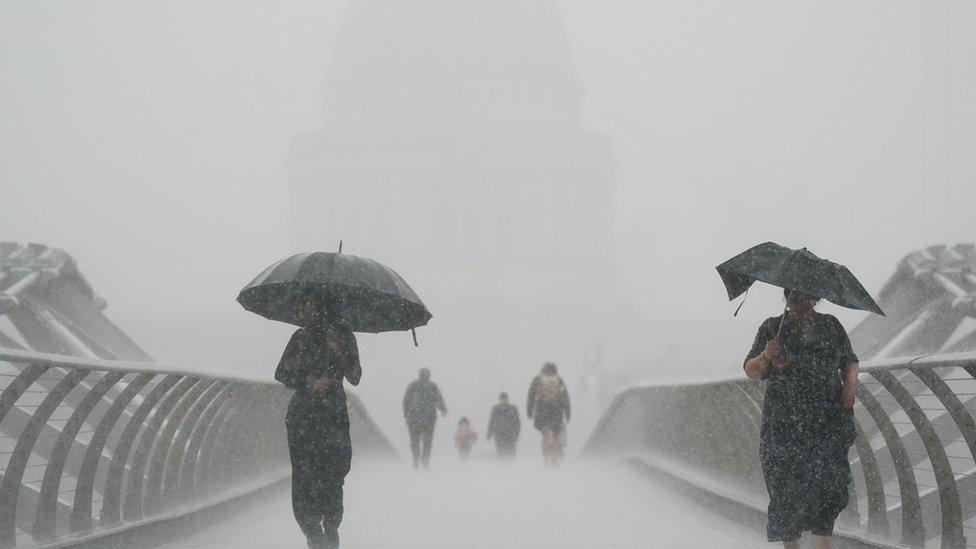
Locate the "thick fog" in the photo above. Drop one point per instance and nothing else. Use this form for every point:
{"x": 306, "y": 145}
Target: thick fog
{"x": 156, "y": 143}
{"x": 500, "y": 506}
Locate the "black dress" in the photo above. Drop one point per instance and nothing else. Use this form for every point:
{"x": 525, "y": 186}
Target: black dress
{"x": 318, "y": 428}
{"x": 806, "y": 431}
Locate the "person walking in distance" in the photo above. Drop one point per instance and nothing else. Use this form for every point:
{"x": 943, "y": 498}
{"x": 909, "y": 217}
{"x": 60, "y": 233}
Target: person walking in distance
{"x": 504, "y": 426}
{"x": 421, "y": 402}
{"x": 549, "y": 404}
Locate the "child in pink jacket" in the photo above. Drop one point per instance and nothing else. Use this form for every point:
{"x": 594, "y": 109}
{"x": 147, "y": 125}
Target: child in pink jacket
{"x": 465, "y": 438}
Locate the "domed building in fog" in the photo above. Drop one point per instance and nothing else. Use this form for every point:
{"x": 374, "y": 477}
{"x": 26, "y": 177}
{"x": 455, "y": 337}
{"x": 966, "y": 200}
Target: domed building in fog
{"x": 452, "y": 148}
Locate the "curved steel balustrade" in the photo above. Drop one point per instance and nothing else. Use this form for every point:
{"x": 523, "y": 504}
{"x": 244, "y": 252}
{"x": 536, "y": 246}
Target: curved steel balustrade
{"x": 90, "y": 447}
{"x": 914, "y": 461}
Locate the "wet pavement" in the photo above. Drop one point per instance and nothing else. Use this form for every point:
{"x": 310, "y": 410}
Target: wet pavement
{"x": 485, "y": 504}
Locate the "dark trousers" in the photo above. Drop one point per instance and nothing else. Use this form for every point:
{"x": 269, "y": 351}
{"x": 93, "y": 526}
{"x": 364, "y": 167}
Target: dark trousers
{"x": 321, "y": 456}
{"x": 421, "y": 437}
{"x": 505, "y": 447}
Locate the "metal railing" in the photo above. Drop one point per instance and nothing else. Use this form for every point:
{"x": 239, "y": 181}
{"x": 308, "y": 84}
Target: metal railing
{"x": 91, "y": 447}
{"x": 913, "y": 462}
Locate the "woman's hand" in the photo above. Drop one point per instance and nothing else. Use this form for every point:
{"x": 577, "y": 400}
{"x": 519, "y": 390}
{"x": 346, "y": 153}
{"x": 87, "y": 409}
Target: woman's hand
{"x": 772, "y": 350}
{"x": 847, "y": 398}
{"x": 775, "y": 357}
{"x": 321, "y": 384}
{"x": 782, "y": 364}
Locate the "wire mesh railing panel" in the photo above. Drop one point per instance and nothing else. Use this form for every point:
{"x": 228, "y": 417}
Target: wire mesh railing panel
{"x": 87, "y": 446}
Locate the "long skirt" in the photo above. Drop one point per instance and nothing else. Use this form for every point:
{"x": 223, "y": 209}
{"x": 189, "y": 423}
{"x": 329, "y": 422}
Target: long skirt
{"x": 807, "y": 483}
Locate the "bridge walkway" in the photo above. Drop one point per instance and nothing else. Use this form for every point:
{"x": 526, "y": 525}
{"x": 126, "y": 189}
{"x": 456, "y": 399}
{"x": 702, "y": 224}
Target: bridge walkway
{"x": 485, "y": 504}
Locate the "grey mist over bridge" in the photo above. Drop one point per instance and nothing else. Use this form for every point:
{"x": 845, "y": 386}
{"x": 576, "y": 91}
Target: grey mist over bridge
{"x": 462, "y": 159}
{"x": 556, "y": 179}
{"x": 108, "y": 448}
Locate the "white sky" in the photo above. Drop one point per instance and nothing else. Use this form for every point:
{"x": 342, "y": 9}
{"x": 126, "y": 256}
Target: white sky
{"x": 147, "y": 138}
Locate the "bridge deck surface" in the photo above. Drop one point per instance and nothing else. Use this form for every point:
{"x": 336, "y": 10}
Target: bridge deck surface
{"x": 491, "y": 505}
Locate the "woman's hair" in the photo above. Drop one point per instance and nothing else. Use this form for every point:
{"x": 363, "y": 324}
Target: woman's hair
{"x": 787, "y": 291}
{"x": 549, "y": 368}
{"x": 464, "y": 421}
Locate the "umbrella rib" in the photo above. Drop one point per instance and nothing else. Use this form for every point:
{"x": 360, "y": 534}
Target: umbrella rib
{"x": 374, "y": 297}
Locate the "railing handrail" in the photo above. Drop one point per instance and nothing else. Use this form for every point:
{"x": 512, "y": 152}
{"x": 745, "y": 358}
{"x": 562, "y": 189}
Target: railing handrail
{"x": 95, "y": 364}
{"x": 931, "y": 361}
{"x": 874, "y": 365}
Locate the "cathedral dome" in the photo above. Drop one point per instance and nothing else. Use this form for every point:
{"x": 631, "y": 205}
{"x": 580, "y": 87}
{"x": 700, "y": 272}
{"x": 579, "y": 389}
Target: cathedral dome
{"x": 452, "y": 128}
{"x": 452, "y": 147}
{"x": 452, "y": 62}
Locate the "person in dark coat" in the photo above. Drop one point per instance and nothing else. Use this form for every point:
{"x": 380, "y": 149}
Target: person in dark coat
{"x": 549, "y": 404}
{"x": 314, "y": 364}
{"x": 808, "y": 422}
{"x": 420, "y": 404}
{"x": 504, "y": 426}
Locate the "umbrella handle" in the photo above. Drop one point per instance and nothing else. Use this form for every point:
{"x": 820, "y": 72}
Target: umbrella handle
{"x": 414, "y": 332}
{"x": 785, "y": 310}
{"x": 340, "y": 246}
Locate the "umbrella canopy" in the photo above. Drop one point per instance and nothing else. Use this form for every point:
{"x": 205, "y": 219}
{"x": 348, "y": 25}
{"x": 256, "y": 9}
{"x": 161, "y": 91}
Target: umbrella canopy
{"x": 363, "y": 294}
{"x": 797, "y": 270}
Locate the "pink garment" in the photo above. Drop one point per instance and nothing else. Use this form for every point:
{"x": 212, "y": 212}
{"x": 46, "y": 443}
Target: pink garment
{"x": 465, "y": 436}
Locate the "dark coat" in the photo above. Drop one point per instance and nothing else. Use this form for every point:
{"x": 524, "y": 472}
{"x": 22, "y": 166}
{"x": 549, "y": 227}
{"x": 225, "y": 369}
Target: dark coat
{"x": 421, "y": 402}
{"x": 308, "y": 357}
{"x": 505, "y": 423}
{"x": 550, "y": 412}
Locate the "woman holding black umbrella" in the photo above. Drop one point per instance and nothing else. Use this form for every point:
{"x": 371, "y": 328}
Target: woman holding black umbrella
{"x": 808, "y": 420}
{"x": 315, "y": 362}
{"x": 330, "y": 296}
{"x": 807, "y": 423}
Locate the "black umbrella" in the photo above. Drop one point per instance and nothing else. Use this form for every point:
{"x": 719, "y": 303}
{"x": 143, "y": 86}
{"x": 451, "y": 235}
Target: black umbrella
{"x": 799, "y": 270}
{"x": 363, "y": 294}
